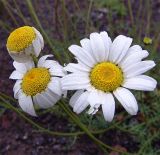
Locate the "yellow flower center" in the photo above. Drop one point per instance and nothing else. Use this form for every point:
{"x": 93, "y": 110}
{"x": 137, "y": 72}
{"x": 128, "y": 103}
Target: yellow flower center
{"x": 147, "y": 40}
{"x": 21, "y": 38}
{"x": 106, "y": 76}
{"x": 35, "y": 81}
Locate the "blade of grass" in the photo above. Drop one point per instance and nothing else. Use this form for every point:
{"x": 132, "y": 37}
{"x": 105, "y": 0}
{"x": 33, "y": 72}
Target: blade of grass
{"x": 131, "y": 12}
{"x": 5, "y": 3}
{"x": 88, "y": 17}
{"x": 10, "y": 106}
{"x": 72, "y": 116}
{"x": 34, "y": 15}
{"x": 65, "y": 31}
{"x": 19, "y": 13}
{"x": 84, "y": 128}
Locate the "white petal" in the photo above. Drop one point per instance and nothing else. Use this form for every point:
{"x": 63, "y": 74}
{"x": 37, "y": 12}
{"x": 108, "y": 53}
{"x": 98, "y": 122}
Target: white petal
{"x": 43, "y": 59}
{"x": 107, "y": 43}
{"x": 39, "y": 37}
{"x": 95, "y": 100}
{"x": 119, "y": 48}
{"x": 138, "y": 68}
{"x": 20, "y": 67}
{"x": 49, "y": 63}
{"x": 75, "y": 81}
{"x": 98, "y": 47}
{"x": 133, "y": 58}
{"x": 20, "y": 57}
{"x": 16, "y": 88}
{"x": 42, "y": 101}
{"x": 86, "y": 44}
{"x": 81, "y": 103}
{"x": 93, "y": 110}
{"x": 108, "y": 107}
{"x": 37, "y": 46}
{"x": 82, "y": 55}
{"x": 127, "y": 99}
{"x": 23, "y": 67}
{"x": 45, "y": 99}
{"x": 29, "y": 65}
{"x": 52, "y": 97}
{"x": 141, "y": 82}
{"x": 26, "y": 104}
{"x": 64, "y": 93}
{"x": 74, "y": 98}
{"x": 72, "y": 67}
{"x": 133, "y": 49}
{"x": 55, "y": 68}
{"x": 16, "y": 75}
{"x": 55, "y": 85}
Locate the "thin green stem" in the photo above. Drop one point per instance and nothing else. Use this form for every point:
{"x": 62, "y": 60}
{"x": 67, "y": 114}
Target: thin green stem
{"x": 19, "y": 13}
{"x": 72, "y": 116}
{"x": 94, "y": 132}
{"x": 141, "y": 24}
{"x": 5, "y": 26}
{"x": 41, "y": 129}
{"x": 76, "y": 4}
{"x": 148, "y": 18}
{"x": 130, "y": 12}
{"x": 156, "y": 43}
{"x": 88, "y": 17}
{"x": 5, "y": 3}
{"x": 139, "y": 10}
{"x": 33, "y": 13}
{"x": 64, "y": 20}
{"x": 148, "y": 141}
{"x": 84, "y": 128}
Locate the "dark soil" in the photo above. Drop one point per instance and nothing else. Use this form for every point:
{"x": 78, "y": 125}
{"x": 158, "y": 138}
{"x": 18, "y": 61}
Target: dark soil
{"x": 19, "y": 138}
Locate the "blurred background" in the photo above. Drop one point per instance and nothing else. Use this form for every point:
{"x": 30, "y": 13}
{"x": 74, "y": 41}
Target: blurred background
{"x": 62, "y": 23}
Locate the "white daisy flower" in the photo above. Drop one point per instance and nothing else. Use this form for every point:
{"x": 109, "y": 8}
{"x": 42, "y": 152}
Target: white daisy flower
{"x": 106, "y": 69}
{"x": 39, "y": 85}
{"x": 24, "y": 42}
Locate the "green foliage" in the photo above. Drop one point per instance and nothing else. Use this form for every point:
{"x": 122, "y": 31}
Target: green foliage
{"x": 2, "y": 110}
{"x": 113, "y": 5}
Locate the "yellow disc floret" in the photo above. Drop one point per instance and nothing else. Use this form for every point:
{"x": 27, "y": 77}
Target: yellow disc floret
{"x": 21, "y": 38}
{"x": 35, "y": 81}
{"x": 147, "y": 40}
{"x": 106, "y": 76}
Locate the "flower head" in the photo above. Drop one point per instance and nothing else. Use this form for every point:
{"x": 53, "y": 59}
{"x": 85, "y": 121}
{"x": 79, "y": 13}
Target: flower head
{"x": 147, "y": 40}
{"x": 24, "y": 42}
{"x": 105, "y": 70}
{"x": 40, "y": 85}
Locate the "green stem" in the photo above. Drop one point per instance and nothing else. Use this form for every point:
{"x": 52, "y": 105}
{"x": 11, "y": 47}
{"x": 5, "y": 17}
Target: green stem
{"x": 64, "y": 20}
{"x": 131, "y": 12}
{"x": 148, "y": 18}
{"x": 35, "y": 59}
{"x": 77, "y": 133}
{"x": 144, "y": 145}
{"x": 19, "y": 13}
{"x": 72, "y": 116}
{"x": 84, "y": 128}
{"x": 10, "y": 106}
{"x": 5, "y": 3}
{"x": 32, "y": 11}
{"x": 88, "y": 16}
{"x": 76, "y": 4}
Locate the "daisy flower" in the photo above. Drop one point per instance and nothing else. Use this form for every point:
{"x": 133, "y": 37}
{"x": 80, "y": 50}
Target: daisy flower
{"x": 24, "y": 42}
{"x": 105, "y": 70}
{"x": 39, "y": 85}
